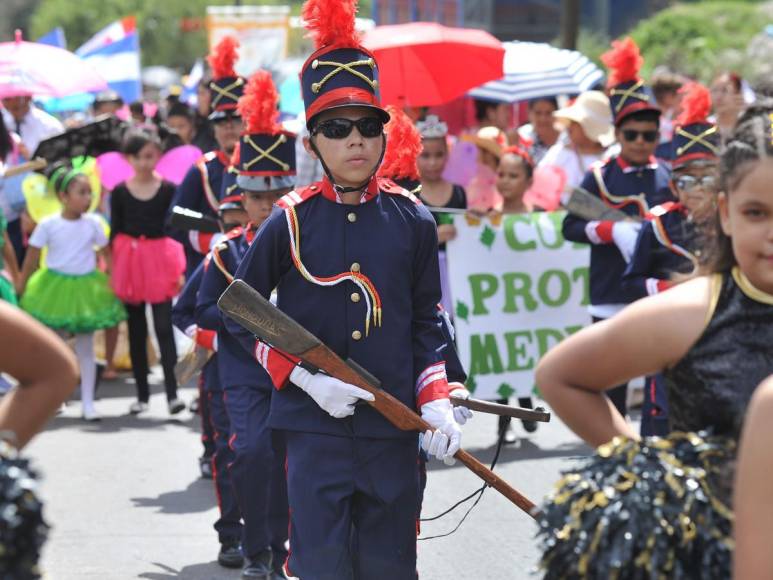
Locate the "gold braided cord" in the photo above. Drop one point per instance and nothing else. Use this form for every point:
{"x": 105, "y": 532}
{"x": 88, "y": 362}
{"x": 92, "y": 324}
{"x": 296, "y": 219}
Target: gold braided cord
{"x": 223, "y": 92}
{"x": 372, "y": 300}
{"x": 628, "y": 93}
{"x": 697, "y": 139}
{"x": 343, "y": 66}
{"x": 266, "y": 153}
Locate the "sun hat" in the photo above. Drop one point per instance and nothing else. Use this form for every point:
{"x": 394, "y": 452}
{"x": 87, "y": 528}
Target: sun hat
{"x": 591, "y": 111}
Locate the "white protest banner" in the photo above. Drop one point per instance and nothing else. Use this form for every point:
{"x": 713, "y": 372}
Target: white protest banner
{"x": 518, "y": 288}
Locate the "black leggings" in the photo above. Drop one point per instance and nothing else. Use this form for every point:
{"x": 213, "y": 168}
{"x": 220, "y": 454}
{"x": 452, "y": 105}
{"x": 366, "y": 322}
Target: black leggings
{"x": 138, "y": 350}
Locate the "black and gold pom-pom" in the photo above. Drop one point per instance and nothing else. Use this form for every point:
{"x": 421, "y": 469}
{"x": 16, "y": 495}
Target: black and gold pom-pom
{"x": 22, "y": 528}
{"x": 652, "y": 509}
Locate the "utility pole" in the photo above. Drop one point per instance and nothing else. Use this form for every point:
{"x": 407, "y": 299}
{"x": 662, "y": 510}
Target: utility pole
{"x": 570, "y": 23}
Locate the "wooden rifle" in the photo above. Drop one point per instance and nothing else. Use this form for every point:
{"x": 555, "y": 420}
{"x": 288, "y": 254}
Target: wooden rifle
{"x": 246, "y": 306}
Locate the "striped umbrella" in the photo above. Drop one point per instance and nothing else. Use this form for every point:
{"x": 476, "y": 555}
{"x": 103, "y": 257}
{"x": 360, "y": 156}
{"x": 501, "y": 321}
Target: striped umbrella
{"x": 539, "y": 70}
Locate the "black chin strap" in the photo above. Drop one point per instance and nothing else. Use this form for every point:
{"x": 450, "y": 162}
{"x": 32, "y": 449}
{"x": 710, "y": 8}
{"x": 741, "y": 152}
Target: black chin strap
{"x": 339, "y": 188}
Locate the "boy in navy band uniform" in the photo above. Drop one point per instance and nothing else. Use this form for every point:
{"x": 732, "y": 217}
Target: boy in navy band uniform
{"x": 632, "y": 181}
{"x": 354, "y": 260}
{"x": 264, "y": 168}
{"x": 668, "y": 242}
{"x": 201, "y": 188}
{"x": 211, "y": 402}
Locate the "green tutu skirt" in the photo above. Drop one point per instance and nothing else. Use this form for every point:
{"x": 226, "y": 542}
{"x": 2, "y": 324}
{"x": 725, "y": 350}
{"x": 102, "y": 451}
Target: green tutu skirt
{"x": 643, "y": 510}
{"x": 7, "y": 292}
{"x": 76, "y": 304}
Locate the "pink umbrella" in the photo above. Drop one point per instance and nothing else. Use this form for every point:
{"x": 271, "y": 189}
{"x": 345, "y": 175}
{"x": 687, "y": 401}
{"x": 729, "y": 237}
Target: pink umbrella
{"x": 30, "y": 68}
{"x": 425, "y": 64}
{"x": 173, "y": 165}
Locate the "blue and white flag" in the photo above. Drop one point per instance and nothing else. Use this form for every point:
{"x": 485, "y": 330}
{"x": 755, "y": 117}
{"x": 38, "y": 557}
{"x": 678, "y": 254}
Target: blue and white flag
{"x": 190, "y": 94}
{"x": 54, "y": 37}
{"x": 115, "y": 52}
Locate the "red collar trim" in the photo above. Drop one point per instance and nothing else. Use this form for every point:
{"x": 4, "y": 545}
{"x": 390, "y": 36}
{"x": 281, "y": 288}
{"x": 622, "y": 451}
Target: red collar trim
{"x": 249, "y": 232}
{"x": 628, "y": 168}
{"x": 222, "y": 157}
{"x": 329, "y": 192}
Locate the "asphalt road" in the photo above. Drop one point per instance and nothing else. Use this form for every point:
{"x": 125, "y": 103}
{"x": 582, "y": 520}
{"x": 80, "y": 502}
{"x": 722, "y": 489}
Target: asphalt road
{"x": 125, "y": 500}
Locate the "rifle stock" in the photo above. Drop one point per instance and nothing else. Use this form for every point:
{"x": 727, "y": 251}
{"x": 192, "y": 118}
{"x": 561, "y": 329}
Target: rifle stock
{"x": 247, "y": 307}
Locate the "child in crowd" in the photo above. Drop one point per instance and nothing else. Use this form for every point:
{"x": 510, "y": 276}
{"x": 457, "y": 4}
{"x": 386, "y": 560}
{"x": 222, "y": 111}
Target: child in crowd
{"x": 669, "y": 241}
{"x": 514, "y": 177}
{"x": 147, "y": 264}
{"x": 481, "y": 191}
{"x": 70, "y": 295}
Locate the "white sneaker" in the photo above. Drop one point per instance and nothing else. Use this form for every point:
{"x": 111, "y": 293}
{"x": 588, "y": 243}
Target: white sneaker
{"x": 91, "y": 415}
{"x": 176, "y": 406}
{"x": 138, "y": 407}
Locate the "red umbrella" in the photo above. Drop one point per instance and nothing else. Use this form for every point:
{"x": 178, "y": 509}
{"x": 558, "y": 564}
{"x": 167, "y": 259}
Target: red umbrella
{"x": 426, "y": 64}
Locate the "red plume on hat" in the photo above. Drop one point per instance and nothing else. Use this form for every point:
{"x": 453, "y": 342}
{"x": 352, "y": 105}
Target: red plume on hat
{"x": 696, "y": 104}
{"x": 623, "y": 61}
{"x": 403, "y": 147}
{"x": 331, "y": 22}
{"x": 223, "y": 58}
{"x": 258, "y": 105}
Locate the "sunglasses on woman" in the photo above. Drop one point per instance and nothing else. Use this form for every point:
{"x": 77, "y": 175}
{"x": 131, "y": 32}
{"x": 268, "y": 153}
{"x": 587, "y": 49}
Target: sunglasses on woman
{"x": 632, "y": 134}
{"x": 368, "y": 127}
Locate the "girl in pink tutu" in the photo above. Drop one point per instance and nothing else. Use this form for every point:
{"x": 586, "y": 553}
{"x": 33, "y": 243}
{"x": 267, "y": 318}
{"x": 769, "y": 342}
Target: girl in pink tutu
{"x": 147, "y": 264}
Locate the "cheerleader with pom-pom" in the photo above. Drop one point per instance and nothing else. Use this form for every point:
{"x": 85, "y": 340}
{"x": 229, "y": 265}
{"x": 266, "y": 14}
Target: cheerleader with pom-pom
{"x": 661, "y": 507}
{"x": 71, "y": 295}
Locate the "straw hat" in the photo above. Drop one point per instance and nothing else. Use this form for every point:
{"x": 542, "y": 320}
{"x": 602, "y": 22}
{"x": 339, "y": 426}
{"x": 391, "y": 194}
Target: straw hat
{"x": 490, "y": 139}
{"x": 591, "y": 111}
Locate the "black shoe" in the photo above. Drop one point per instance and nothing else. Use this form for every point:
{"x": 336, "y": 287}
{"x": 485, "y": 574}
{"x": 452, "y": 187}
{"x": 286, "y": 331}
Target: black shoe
{"x": 530, "y": 426}
{"x": 230, "y": 555}
{"x": 259, "y": 567}
{"x": 205, "y": 467}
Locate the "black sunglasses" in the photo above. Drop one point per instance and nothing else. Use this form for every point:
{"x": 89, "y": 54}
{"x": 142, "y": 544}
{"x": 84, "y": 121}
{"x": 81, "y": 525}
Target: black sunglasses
{"x": 632, "y": 134}
{"x": 368, "y": 127}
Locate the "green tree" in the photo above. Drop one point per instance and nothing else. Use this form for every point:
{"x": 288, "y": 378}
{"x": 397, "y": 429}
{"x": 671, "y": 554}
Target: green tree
{"x": 699, "y": 39}
{"x": 166, "y": 34}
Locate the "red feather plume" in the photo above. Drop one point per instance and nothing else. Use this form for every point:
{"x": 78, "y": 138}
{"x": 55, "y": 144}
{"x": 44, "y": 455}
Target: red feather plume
{"x": 331, "y": 22}
{"x": 696, "y": 104}
{"x": 623, "y": 61}
{"x": 258, "y": 105}
{"x": 403, "y": 147}
{"x": 223, "y": 58}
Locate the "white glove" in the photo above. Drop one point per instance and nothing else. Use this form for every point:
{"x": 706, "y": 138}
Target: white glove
{"x": 336, "y": 397}
{"x": 625, "y": 234}
{"x": 445, "y": 441}
{"x": 461, "y": 414}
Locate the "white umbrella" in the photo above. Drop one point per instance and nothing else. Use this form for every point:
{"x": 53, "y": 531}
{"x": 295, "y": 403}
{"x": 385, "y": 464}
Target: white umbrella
{"x": 535, "y": 69}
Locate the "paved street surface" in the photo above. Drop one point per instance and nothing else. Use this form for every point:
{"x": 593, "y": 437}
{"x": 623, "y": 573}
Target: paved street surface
{"x": 125, "y": 499}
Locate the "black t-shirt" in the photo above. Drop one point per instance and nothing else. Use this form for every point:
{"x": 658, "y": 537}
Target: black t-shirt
{"x": 135, "y": 217}
{"x": 458, "y": 200}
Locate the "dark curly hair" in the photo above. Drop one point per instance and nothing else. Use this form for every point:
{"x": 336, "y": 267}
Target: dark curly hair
{"x": 750, "y": 142}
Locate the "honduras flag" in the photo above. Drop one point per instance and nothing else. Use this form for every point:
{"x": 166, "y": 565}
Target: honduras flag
{"x": 115, "y": 52}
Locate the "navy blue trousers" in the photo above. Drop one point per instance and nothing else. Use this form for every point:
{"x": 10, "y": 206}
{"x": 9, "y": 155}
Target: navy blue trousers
{"x": 228, "y": 525}
{"x": 207, "y": 434}
{"x": 257, "y": 470}
{"x": 654, "y": 411}
{"x": 353, "y": 507}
